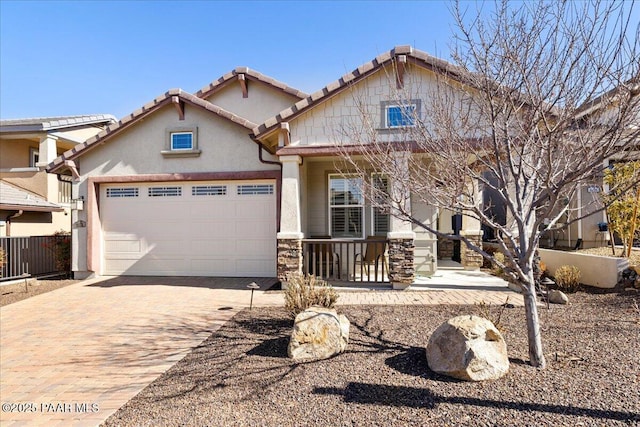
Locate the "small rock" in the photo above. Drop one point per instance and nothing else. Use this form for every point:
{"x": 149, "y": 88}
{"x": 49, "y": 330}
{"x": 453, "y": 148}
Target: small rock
{"x": 558, "y": 297}
{"x": 468, "y": 348}
{"x": 318, "y": 333}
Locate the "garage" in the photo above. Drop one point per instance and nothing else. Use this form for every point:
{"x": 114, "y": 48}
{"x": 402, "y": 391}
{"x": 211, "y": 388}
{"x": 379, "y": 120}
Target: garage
{"x": 189, "y": 228}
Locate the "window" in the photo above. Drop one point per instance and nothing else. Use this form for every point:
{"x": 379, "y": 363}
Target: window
{"x": 122, "y": 192}
{"x": 401, "y": 115}
{"x": 34, "y": 157}
{"x": 346, "y": 206}
{"x": 181, "y": 141}
{"x": 379, "y": 220}
{"x": 165, "y": 191}
{"x": 255, "y": 189}
{"x": 209, "y": 190}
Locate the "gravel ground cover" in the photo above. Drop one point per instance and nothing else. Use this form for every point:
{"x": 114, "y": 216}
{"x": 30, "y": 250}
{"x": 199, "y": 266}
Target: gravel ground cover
{"x": 17, "y": 291}
{"x": 241, "y": 376}
{"x": 634, "y": 259}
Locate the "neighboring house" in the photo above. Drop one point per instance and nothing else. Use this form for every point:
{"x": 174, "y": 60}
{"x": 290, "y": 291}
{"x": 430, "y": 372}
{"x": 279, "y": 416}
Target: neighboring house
{"x": 33, "y": 202}
{"x": 587, "y": 232}
{"x": 239, "y": 179}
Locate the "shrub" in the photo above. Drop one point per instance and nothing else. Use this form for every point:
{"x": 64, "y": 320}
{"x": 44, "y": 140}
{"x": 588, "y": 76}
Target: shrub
{"x": 568, "y": 278}
{"x": 304, "y": 291}
{"x": 60, "y": 244}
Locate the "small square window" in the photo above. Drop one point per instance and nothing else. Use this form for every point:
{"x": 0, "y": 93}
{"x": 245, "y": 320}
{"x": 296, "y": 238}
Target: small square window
{"x": 401, "y": 115}
{"x": 181, "y": 141}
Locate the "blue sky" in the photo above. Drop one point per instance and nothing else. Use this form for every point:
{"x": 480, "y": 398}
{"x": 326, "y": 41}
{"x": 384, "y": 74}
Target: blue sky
{"x": 65, "y": 58}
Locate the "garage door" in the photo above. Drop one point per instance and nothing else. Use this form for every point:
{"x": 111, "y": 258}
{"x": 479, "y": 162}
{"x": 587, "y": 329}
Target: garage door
{"x": 223, "y": 228}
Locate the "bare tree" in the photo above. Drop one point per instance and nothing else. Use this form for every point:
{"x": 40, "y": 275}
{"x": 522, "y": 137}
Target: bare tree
{"x": 511, "y": 115}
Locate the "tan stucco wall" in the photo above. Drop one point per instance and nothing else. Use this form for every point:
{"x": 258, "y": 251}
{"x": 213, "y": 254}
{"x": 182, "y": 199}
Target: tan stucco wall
{"x": 263, "y": 101}
{"x": 37, "y": 223}
{"x": 226, "y": 147}
{"x": 15, "y": 153}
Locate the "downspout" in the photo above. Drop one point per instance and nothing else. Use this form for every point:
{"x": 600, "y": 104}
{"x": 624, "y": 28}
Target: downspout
{"x": 9, "y": 218}
{"x": 279, "y": 183}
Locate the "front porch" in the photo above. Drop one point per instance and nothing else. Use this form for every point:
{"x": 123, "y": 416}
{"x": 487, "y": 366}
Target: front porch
{"x": 329, "y": 229}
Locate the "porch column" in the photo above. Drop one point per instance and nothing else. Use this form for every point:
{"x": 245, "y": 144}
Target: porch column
{"x": 401, "y": 236}
{"x": 290, "y": 235}
{"x": 47, "y": 152}
{"x": 472, "y": 230}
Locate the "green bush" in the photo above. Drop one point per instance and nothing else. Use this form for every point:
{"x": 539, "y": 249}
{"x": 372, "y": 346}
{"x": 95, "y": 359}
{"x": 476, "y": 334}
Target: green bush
{"x": 568, "y": 278}
{"x": 304, "y": 291}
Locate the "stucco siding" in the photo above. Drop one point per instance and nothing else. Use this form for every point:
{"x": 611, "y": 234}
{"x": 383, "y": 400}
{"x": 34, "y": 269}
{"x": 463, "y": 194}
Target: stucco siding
{"x": 15, "y": 153}
{"x": 225, "y": 147}
{"x": 262, "y": 102}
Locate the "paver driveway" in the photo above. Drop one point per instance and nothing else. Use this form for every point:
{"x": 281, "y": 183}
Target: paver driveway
{"x": 75, "y": 355}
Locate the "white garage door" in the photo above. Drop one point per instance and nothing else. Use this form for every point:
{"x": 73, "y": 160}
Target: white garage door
{"x": 225, "y": 228}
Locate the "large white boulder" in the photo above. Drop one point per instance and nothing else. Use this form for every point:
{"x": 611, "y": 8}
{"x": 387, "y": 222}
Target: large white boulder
{"x": 468, "y": 348}
{"x": 318, "y": 333}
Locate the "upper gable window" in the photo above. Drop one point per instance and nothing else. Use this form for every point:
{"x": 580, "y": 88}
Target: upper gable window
{"x": 181, "y": 141}
{"x": 400, "y": 115}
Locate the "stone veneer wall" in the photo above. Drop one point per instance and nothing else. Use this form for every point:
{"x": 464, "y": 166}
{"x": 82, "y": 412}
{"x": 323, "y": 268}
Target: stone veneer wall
{"x": 401, "y": 263}
{"x": 469, "y": 258}
{"x": 289, "y": 257}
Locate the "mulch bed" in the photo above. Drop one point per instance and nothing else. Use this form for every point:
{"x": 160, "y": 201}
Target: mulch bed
{"x": 18, "y": 291}
{"x": 241, "y": 376}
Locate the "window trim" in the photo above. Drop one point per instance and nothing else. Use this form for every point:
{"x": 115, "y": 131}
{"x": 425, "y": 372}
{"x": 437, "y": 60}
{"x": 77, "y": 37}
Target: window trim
{"x": 373, "y": 208}
{"x": 331, "y": 206}
{"x": 384, "y": 108}
{"x": 169, "y": 151}
{"x": 173, "y": 134}
{"x": 32, "y": 161}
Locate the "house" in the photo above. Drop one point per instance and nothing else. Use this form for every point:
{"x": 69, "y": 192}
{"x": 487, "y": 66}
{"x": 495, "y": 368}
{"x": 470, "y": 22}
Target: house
{"x": 239, "y": 179}
{"x": 33, "y": 202}
{"x": 585, "y": 215}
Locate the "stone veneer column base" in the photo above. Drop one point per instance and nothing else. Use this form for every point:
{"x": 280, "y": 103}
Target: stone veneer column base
{"x": 402, "y": 269}
{"x": 471, "y": 260}
{"x": 289, "y": 258}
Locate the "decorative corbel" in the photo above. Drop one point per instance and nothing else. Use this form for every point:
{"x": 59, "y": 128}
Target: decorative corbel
{"x": 284, "y": 136}
{"x": 71, "y": 165}
{"x": 243, "y": 85}
{"x": 179, "y": 104}
{"x": 401, "y": 63}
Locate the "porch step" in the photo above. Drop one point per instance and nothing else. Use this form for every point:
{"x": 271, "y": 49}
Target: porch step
{"x": 447, "y": 264}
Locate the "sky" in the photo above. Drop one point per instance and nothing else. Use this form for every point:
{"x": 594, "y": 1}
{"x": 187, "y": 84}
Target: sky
{"x": 86, "y": 57}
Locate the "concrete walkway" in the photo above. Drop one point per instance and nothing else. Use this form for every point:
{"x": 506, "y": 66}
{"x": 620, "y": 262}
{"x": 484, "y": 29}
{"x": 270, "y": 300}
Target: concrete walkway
{"x": 73, "y": 356}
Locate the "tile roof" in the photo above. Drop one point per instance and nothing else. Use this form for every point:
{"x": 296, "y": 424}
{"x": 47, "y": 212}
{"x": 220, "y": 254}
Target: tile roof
{"x": 144, "y": 111}
{"x": 216, "y": 85}
{"x": 419, "y": 57}
{"x": 15, "y": 198}
{"x": 53, "y": 123}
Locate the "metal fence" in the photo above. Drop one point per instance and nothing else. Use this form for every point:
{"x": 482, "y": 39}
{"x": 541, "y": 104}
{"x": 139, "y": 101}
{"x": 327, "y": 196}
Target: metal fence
{"x": 33, "y": 256}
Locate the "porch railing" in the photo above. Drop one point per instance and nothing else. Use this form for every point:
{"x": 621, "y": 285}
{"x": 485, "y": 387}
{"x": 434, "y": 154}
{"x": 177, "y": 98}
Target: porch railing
{"x": 346, "y": 260}
{"x": 64, "y": 191}
{"x": 33, "y": 256}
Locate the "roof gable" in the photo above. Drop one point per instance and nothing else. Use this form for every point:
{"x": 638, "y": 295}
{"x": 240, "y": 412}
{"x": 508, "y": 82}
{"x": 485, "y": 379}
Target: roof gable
{"x": 173, "y": 96}
{"x": 245, "y": 73}
{"x": 407, "y": 53}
